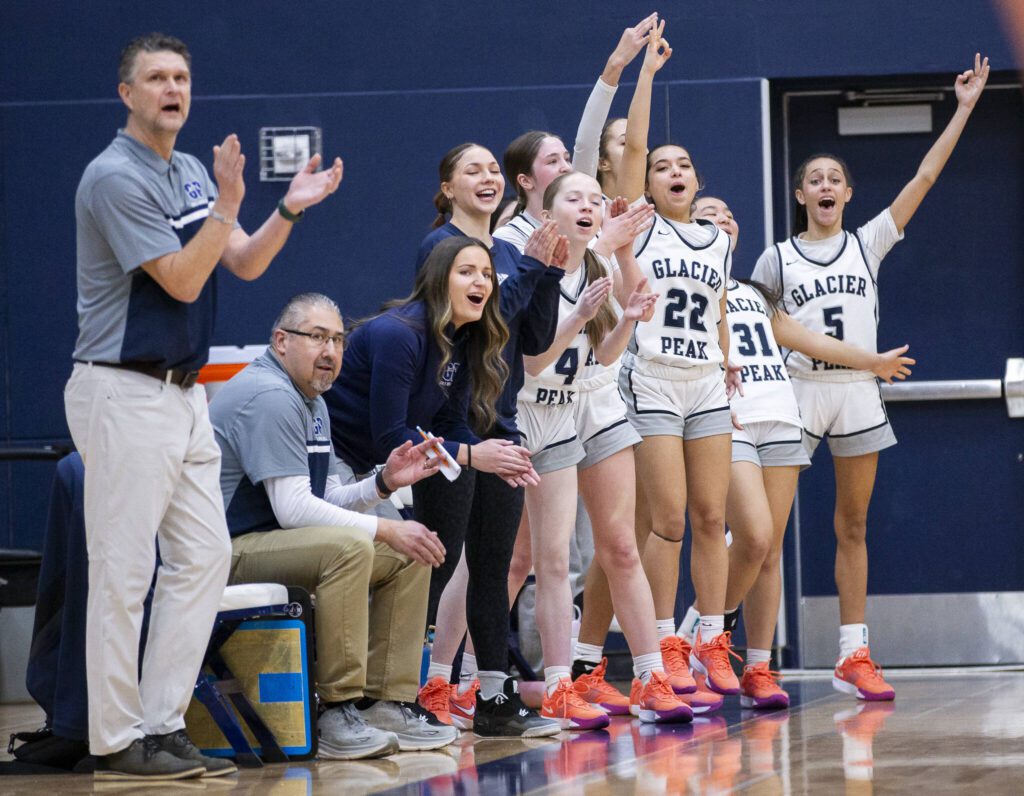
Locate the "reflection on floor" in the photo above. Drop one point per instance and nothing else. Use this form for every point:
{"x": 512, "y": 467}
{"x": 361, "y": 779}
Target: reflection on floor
{"x": 946, "y": 733}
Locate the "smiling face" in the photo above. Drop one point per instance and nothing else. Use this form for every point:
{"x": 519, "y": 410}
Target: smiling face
{"x": 672, "y": 181}
{"x": 552, "y": 159}
{"x": 311, "y": 366}
{"x": 718, "y": 212}
{"x": 476, "y": 184}
{"x": 471, "y": 281}
{"x": 158, "y": 95}
{"x": 824, "y": 191}
{"x": 577, "y": 208}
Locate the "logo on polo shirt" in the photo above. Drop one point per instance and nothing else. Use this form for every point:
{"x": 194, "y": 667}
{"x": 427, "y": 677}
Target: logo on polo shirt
{"x": 318, "y": 426}
{"x": 193, "y": 189}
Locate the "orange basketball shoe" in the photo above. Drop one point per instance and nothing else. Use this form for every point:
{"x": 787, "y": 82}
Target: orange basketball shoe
{"x": 712, "y": 660}
{"x": 859, "y": 675}
{"x": 674, "y": 653}
{"x": 703, "y": 700}
{"x": 462, "y": 707}
{"x": 759, "y": 689}
{"x": 566, "y": 706}
{"x": 601, "y": 693}
{"x": 433, "y": 696}
{"x": 657, "y": 703}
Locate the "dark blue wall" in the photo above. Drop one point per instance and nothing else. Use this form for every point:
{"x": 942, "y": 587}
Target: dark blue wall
{"x": 393, "y": 86}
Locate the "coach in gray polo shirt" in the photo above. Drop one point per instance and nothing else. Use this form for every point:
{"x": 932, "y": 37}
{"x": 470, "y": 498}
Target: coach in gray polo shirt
{"x": 293, "y": 510}
{"x": 151, "y": 229}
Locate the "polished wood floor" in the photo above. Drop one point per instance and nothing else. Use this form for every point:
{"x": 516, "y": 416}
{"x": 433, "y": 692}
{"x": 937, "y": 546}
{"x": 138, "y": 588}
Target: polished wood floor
{"x": 947, "y": 733}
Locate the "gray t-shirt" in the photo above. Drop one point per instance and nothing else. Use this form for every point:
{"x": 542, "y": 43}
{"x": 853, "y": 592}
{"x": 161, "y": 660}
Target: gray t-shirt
{"x": 132, "y": 206}
{"x": 266, "y": 428}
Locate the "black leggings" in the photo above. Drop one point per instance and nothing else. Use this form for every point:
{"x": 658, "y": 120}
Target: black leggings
{"x": 482, "y": 511}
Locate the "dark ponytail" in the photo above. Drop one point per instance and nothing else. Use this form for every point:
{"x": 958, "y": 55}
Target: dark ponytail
{"x": 446, "y": 171}
{"x": 772, "y": 296}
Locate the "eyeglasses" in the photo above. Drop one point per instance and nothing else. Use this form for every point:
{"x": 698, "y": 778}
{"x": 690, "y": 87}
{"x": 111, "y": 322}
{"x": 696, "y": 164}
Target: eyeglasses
{"x": 319, "y": 339}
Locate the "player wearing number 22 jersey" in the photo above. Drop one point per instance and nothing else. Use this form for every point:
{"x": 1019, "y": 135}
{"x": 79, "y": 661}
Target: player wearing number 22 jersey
{"x": 673, "y": 382}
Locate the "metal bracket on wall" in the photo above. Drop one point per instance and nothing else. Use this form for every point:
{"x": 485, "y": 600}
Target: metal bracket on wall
{"x": 1011, "y": 387}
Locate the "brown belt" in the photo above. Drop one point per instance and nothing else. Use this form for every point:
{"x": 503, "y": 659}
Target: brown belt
{"x": 182, "y": 378}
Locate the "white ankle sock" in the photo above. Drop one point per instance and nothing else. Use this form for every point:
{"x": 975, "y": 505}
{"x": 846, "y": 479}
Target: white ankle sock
{"x": 491, "y": 684}
{"x": 645, "y": 665}
{"x": 852, "y": 638}
{"x": 553, "y": 675}
{"x": 755, "y": 656}
{"x": 588, "y": 653}
{"x": 688, "y": 627}
{"x": 439, "y": 670}
{"x": 468, "y": 673}
{"x": 666, "y": 627}
{"x": 711, "y": 627}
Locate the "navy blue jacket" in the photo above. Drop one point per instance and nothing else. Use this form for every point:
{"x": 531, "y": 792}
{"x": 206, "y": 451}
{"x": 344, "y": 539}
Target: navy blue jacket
{"x": 389, "y": 384}
{"x": 528, "y": 300}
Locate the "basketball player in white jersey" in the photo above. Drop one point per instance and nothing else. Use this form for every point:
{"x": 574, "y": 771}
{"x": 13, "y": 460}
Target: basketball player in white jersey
{"x": 675, "y": 387}
{"x": 768, "y": 454}
{"x": 827, "y": 280}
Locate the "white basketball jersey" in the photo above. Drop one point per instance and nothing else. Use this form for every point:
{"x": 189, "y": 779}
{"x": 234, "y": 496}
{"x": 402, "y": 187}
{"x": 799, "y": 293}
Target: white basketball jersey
{"x": 518, "y": 230}
{"x": 837, "y": 298}
{"x": 767, "y": 392}
{"x": 690, "y": 277}
{"x": 557, "y": 384}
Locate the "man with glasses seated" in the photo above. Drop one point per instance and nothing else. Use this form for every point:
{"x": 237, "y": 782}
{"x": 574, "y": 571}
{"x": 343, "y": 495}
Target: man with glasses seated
{"x": 298, "y": 516}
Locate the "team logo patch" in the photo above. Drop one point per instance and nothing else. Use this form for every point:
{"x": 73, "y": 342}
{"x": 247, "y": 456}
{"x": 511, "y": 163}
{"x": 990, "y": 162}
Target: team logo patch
{"x": 193, "y": 189}
{"x": 502, "y": 278}
{"x": 318, "y": 426}
{"x": 448, "y": 376}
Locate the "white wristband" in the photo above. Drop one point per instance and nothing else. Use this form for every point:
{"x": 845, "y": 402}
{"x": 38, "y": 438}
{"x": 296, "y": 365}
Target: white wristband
{"x": 223, "y": 219}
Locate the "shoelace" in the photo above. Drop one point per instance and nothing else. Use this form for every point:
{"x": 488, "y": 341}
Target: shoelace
{"x": 861, "y": 662}
{"x": 595, "y": 678}
{"x": 150, "y": 748}
{"x": 719, "y": 645}
{"x": 566, "y": 697}
{"x": 659, "y": 687}
{"x": 762, "y": 676}
{"x": 434, "y": 696}
{"x": 675, "y": 651}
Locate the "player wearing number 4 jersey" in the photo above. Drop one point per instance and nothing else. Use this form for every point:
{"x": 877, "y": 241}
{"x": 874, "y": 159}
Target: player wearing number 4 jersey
{"x": 827, "y": 280}
{"x": 675, "y": 385}
{"x": 767, "y": 454}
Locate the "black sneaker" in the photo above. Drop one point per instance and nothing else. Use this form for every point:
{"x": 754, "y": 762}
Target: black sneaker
{"x": 181, "y": 746}
{"x": 144, "y": 760}
{"x": 505, "y": 716}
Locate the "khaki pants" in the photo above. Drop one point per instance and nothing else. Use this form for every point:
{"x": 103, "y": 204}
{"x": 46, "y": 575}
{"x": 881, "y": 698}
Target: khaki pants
{"x": 371, "y": 605}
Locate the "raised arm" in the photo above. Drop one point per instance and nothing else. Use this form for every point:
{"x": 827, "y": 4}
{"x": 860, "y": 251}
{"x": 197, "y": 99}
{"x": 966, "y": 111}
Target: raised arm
{"x": 638, "y": 307}
{"x": 247, "y": 256}
{"x": 969, "y": 86}
{"x": 634, "y": 157}
{"x": 588, "y": 136}
{"x": 792, "y": 334}
{"x": 590, "y": 302}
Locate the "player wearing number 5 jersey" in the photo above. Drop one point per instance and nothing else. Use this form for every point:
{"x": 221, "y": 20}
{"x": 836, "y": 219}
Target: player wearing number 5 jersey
{"x": 827, "y": 280}
{"x": 675, "y": 386}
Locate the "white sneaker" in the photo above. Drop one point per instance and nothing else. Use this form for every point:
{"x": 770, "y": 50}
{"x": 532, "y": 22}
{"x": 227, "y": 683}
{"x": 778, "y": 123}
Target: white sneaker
{"x": 417, "y": 729}
{"x": 344, "y": 735}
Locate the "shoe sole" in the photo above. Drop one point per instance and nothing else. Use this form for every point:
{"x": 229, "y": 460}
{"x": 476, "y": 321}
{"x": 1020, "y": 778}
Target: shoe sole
{"x": 849, "y": 688}
{"x": 596, "y": 723}
{"x": 712, "y": 686}
{"x": 328, "y": 751}
{"x": 681, "y": 715}
{"x": 221, "y": 773}
{"x": 414, "y": 744}
{"x": 124, "y": 776}
{"x": 776, "y": 701}
{"x": 532, "y": 732}
{"x": 706, "y": 708}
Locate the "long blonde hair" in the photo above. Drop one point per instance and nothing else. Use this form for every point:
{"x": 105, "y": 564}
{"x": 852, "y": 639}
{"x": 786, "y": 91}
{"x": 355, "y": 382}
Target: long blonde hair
{"x": 486, "y": 337}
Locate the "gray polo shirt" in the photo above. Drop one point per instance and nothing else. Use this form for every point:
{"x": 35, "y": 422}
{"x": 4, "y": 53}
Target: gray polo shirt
{"x": 131, "y": 207}
{"x": 266, "y": 428}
